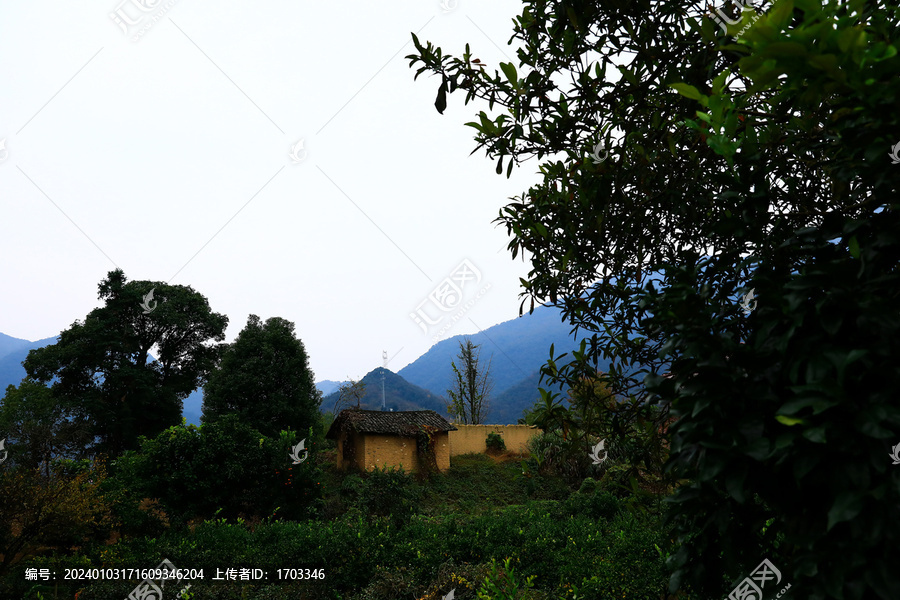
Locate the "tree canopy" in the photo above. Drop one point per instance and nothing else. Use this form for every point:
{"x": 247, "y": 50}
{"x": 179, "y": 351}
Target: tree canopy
{"x": 726, "y": 162}
{"x": 100, "y": 371}
{"x": 264, "y": 377}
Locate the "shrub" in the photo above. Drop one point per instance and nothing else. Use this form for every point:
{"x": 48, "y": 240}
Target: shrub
{"x": 557, "y": 549}
{"x": 390, "y": 493}
{"x": 60, "y": 508}
{"x": 556, "y": 455}
{"x": 588, "y": 486}
{"x": 495, "y": 443}
{"x": 501, "y": 583}
{"x": 223, "y": 468}
{"x": 596, "y": 505}
{"x": 801, "y": 415}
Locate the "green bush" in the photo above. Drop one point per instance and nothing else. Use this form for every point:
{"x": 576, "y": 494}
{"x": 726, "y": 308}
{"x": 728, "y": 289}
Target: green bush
{"x": 495, "y": 443}
{"x": 224, "y": 468}
{"x": 390, "y": 493}
{"x": 588, "y": 486}
{"x": 135, "y": 516}
{"x": 597, "y": 505}
{"x": 558, "y": 456}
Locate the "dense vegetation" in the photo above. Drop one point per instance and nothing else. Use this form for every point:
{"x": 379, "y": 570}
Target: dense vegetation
{"x": 377, "y": 535}
{"x": 754, "y": 160}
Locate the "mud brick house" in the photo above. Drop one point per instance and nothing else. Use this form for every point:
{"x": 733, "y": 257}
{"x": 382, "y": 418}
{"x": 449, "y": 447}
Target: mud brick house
{"x": 372, "y": 439}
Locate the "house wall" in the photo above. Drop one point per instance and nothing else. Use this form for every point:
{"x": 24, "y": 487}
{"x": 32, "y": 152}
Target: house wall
{"x": 342, "y": 461}
{"x": 390, "y": 451}
{"x": 472, "y": 438}
{"x": 377, "y": 451}
{"x": 442, "y": 450}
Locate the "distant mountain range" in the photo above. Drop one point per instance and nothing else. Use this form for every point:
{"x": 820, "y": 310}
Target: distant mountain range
{"x": 508, "y": 406}
{"x": 516, "y": 349}
{"x": 12, "y": 352}
{"x": 399, "y": 394}
{"x": 326, "y": 386}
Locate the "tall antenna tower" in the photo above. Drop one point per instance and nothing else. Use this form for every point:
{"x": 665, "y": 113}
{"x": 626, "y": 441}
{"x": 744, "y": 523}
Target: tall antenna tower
{"x": 385, "y": 361}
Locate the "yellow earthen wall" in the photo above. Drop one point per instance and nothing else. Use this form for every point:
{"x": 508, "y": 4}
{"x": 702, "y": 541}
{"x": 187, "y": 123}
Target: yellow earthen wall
{"x": 472, "y": 438}
{"x": 378, "y": 451}
{"x": 390, "y": 451}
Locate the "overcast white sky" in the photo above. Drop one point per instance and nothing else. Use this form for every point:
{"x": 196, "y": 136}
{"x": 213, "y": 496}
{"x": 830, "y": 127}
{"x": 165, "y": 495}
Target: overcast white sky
{"x": 169, "y": 157}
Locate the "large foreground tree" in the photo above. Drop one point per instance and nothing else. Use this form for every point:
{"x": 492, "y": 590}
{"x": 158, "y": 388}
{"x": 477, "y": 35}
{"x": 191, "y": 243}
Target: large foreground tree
{"x": 766, "y": 147}
{"x": 264, "y": 377}
{"x": 100, "y": 369}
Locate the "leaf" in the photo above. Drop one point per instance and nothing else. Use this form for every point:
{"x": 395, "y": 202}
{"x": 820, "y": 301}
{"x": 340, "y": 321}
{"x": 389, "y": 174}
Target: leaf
{"x": 719, "y": 82}
{"x": 781, "y": 14}
{"x": 816, "y": 435}
{"x": 441, "y": 102}
{"x": 847, "y": 506}
{"x": 510, "y": 71}
{"x": 853, "y": 244}
{"x": 789, "y": 421}
{"x": 735, "y": 483}
{"x": 686, "y": 90}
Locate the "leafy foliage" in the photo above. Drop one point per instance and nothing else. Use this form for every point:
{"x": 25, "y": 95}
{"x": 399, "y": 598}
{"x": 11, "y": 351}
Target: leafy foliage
{"x": 225, "y": 467}
{"x": 557, "y": 551}
{"x": 37, "y": 427}
{"x": 495, "y": 443}
{"x": 61, "y": 508}
{"x": 501, "y": 583}
{"x": 774, "y": 145}
{"x": 390, "y": 493}
{"x": 264, "y": 377}
{"x": 100, "y": 368}
{"x": 794, "y": 426}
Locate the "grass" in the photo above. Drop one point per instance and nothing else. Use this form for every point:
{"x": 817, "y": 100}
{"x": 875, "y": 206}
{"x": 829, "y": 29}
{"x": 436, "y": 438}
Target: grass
{"x": 476, "y": 483}
{"x": 488, "y": 494}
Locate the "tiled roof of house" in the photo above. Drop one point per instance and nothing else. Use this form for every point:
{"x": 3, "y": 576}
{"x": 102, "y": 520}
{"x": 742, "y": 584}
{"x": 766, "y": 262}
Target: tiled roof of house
{"x": 396, "y": 423}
